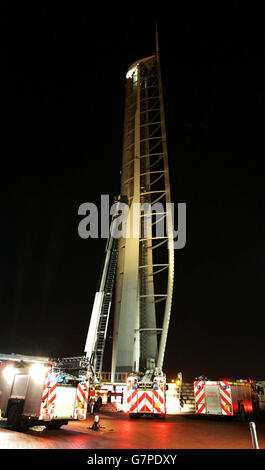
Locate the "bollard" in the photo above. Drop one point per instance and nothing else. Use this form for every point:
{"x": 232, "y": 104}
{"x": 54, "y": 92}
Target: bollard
{"x": 253, "y": 433}
{"x": 95, "y": 426}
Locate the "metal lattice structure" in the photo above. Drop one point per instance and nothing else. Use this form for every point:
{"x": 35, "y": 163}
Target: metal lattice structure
{"x": 140, "y": 328}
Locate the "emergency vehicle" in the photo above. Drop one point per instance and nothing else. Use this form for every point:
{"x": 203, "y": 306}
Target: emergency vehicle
{"x": 146, "y": 394}
{"x": 226, "y": 397}
{"x": 34, "y": 390}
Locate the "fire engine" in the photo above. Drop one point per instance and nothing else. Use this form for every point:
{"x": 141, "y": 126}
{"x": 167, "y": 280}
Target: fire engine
{"x": 146, "y": 394}
{"x": 34, "y": 390}
{"x": 226, "y": 397}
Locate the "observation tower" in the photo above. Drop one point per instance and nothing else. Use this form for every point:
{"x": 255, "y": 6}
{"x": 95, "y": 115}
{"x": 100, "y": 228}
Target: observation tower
{"x": 145, "y": 265}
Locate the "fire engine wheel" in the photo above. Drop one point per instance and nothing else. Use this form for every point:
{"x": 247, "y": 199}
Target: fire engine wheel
{"x": 133, "y": 415}
{"x": 54, "y": 425}
{"x": 13, "y": 416}
{"x": 161, "y": 416}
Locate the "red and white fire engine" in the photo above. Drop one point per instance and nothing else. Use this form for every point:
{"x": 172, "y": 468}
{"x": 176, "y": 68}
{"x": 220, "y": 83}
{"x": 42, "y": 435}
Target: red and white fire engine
{"x": 146, "y": 394}
{"x": 226, "y": 397}
{"x": 33, "y": 390}
{"x": 37, "y": 390}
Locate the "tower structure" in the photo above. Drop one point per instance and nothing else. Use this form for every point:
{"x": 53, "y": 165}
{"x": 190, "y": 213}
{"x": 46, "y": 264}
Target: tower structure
{"x": 145, "y": 254}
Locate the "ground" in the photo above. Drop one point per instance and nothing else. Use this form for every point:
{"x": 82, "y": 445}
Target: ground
{"x": 119, "y": 432}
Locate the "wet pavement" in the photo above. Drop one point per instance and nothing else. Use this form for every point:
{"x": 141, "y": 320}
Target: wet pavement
{"x": 117, "y": 431}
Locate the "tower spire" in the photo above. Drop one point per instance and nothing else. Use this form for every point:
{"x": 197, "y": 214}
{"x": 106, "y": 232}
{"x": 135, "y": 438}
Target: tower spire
{"x": 157, "y": 43}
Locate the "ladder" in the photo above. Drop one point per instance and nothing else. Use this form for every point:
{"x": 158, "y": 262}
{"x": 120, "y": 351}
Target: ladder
{"x": 105, "y": 310}
{"x": 98, "y": 325}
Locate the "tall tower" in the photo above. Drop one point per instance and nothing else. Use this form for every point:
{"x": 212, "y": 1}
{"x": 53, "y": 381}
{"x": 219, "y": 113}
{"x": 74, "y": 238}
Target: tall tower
{"x": 145, "y": 254}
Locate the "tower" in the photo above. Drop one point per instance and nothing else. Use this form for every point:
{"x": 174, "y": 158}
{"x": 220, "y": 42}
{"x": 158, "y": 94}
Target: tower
{"x": 147, "y": 250}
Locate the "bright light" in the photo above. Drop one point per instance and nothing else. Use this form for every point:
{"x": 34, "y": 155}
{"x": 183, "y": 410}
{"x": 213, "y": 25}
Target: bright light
{"x": 131, "y": 71}
{"x": 8, "y": 373}
{"x": 37, "y": 372}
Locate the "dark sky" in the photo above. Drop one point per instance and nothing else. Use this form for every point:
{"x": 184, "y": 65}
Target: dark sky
{"x": 62, "y": 102}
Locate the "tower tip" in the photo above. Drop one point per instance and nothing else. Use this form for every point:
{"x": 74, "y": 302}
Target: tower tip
{"x": 157, "y": 43}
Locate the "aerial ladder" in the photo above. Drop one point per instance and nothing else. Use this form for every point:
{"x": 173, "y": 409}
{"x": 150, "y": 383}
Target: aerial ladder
{"x": 97, "y": 332}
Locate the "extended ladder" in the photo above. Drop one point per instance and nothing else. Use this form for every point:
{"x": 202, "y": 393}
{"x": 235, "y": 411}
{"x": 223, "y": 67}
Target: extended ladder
{"x": 98, "y": 326}
{"x": 105, "y": 310}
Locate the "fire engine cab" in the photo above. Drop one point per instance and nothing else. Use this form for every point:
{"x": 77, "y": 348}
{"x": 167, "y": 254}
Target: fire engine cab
{"x": 226, "y": 397}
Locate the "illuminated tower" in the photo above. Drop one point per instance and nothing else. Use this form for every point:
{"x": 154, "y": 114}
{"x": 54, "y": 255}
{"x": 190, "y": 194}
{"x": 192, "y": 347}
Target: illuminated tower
{"x": 144, "y": 257}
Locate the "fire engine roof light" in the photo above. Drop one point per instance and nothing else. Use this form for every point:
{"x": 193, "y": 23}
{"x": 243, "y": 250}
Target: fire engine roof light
{"x": 37, "y": 372}
{"x": 8, "y": 373}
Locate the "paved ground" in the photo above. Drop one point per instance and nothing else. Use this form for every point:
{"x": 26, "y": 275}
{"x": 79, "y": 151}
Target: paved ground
{"x": 119, "y": 432}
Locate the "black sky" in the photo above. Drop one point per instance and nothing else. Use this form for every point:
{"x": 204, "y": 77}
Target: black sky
{"x": 62, "y": 102}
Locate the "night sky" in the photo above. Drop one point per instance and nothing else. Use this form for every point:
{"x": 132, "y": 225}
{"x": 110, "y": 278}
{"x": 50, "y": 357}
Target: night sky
{"x": 62, "y": 103}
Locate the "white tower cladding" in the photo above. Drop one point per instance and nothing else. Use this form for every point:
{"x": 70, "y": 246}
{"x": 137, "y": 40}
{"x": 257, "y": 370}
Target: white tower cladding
{"x": 146, "y": 253}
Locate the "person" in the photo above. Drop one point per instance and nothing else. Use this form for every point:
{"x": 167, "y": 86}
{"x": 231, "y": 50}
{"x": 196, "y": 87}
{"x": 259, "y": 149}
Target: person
{"x": 109, "y": 396}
